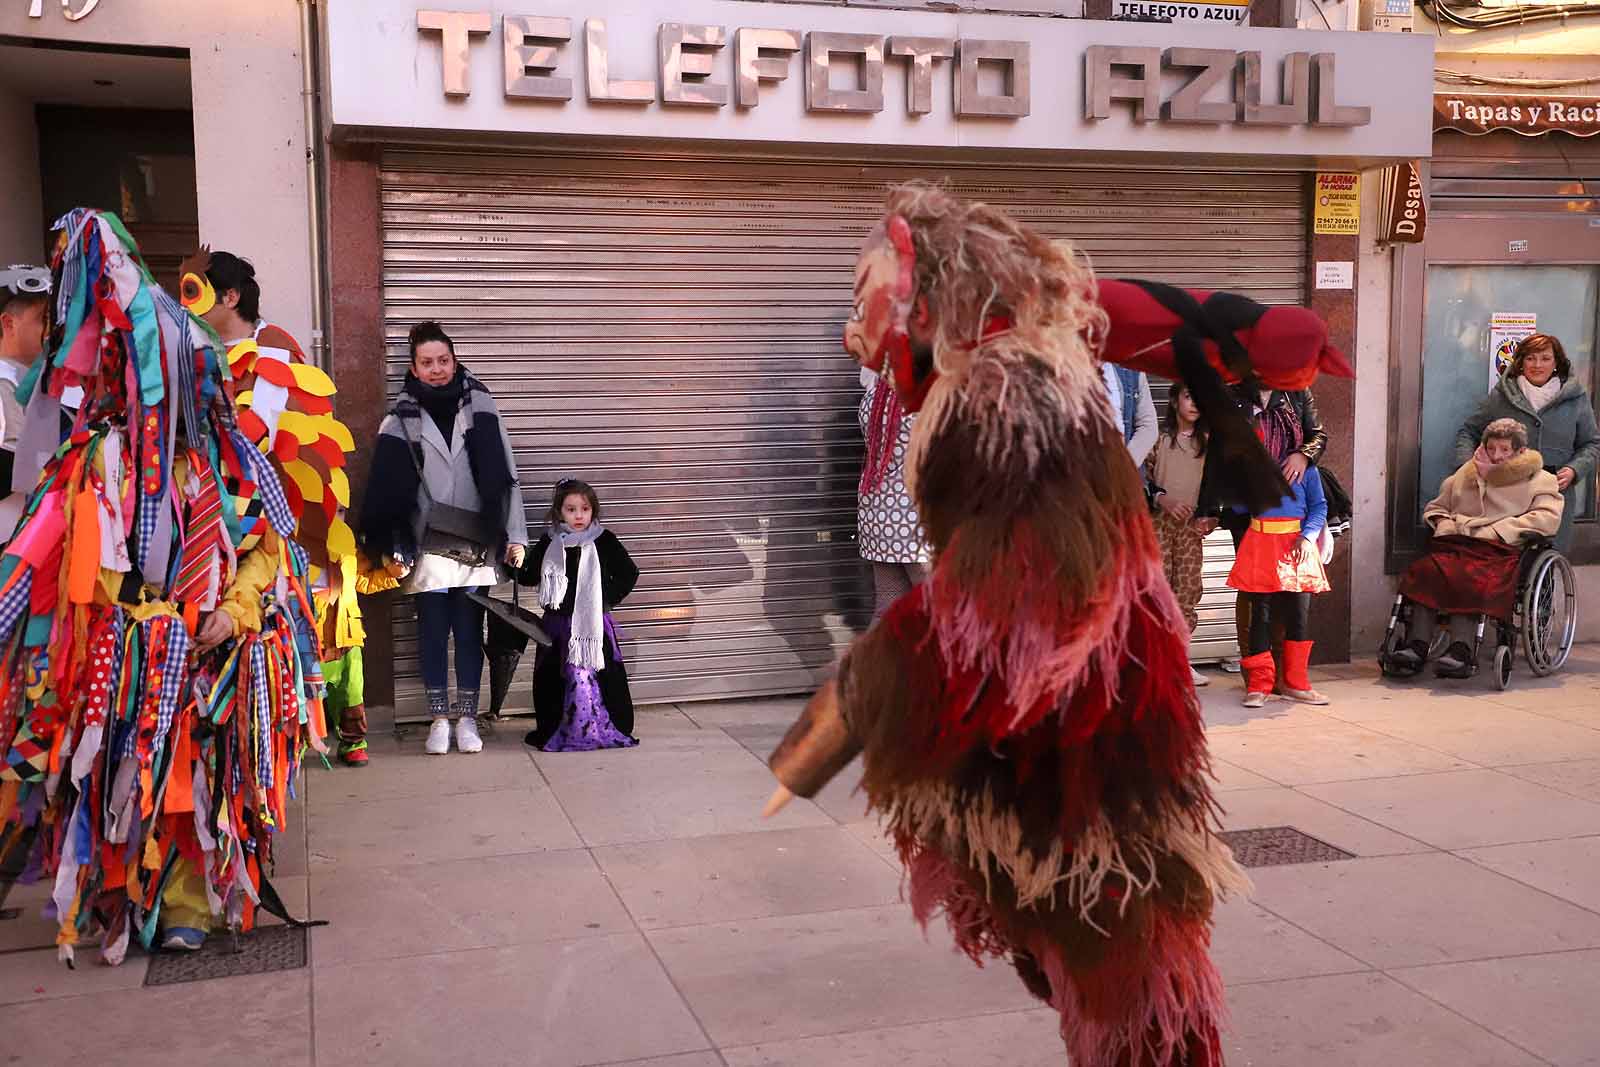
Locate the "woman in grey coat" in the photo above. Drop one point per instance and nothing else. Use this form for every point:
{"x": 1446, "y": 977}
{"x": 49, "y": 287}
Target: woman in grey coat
{"x": 443, "y": 510}
{"x": 1540, "y": 391}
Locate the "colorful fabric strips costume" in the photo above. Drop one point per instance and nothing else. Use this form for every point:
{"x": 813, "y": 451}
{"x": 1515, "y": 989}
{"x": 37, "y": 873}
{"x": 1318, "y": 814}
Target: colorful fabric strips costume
{"x": 157, "y": 774}
{"x": 1029, "y": 728}
{"x": 285, "y": 408}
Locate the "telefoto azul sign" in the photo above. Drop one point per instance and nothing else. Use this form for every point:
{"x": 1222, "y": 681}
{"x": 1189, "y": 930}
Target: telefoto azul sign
{"x": 729, "y": 70}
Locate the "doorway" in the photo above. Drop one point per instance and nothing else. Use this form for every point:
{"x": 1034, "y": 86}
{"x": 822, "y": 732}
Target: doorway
{"x": 96, "y": 127}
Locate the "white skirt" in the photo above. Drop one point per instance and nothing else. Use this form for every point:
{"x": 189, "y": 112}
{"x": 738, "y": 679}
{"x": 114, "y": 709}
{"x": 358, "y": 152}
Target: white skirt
{"x": 434, "y": 573}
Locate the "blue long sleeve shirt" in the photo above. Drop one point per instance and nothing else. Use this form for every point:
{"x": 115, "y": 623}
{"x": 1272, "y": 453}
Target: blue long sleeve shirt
{"x": 1305, "y": 502}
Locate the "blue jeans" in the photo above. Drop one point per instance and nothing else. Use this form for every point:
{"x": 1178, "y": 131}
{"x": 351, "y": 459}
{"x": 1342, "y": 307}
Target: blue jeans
{"x": 439, "y": 615}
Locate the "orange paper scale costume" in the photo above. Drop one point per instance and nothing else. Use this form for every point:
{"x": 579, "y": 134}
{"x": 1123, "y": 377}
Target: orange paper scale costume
{"x": 145, "y": 768}
{"x": 1029, "y": 729}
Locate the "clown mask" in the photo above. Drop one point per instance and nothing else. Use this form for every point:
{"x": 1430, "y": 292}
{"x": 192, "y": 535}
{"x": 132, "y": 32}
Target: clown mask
{"x": 195, "y": 289}
{"x": 878, "y": 332}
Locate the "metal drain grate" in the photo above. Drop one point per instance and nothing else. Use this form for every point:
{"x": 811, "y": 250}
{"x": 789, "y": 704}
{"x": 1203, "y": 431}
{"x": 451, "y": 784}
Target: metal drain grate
{"x": 1277, "y": 846}
{"x": 267, "y": 948}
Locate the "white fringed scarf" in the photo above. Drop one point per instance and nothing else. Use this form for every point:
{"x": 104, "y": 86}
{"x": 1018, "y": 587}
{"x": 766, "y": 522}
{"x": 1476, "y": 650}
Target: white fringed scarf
{"x": 587, "y": 646}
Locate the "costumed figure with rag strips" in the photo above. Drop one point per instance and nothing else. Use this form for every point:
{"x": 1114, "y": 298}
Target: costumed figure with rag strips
{"x": 162, "y": 675}
{"x": 1027, "y": 721}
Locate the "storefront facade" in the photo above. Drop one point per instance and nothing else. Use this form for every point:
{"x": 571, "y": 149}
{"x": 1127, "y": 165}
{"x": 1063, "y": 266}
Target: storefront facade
{"x": 1511, "y": 245}
{"x": 641, "y": 224}
{"x": 187, "y": 117}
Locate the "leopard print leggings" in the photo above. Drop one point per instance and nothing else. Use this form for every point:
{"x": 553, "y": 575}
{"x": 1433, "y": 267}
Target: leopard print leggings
{"x": 1183, "y": 558}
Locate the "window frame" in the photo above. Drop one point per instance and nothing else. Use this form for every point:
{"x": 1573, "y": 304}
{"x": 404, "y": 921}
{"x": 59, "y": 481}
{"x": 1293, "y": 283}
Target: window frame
{"x": 1479, "y": 236}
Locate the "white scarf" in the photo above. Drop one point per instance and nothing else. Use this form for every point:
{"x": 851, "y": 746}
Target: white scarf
{"x": 1540, "y": 396}
{"x": 586, "y": 647}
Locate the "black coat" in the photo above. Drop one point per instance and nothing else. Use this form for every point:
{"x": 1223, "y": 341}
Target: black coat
{"x": 618, "y": 575}
{"x": 1217, "y": 496}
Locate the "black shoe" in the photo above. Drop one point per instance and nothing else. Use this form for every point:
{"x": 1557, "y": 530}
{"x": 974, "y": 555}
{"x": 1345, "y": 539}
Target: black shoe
{"x": 1409, "y": 657}
{"x": 1456, "y": 661}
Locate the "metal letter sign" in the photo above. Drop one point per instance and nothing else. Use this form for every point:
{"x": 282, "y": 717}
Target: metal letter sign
{"x": 867, "y": 97}
{"x": 529, "y": 67}
{"x": 602, "y": 90}
{"x": 456, "y": 30}
{"x": 1326, "y": 110}
{"x": 1189, "y": 104}
{"x": 36, "y": 9}
{"x": 1012, "y": 101}
{"x": 921, "y": 51}
{"x": 1296, "y": 93}
{"x": 761, "y": 55}
{"x": 686, "y": 53}
{"x": 1102, "y": 84}
{"x": 1308, "y": 95}
{"x": 991, "y": 79}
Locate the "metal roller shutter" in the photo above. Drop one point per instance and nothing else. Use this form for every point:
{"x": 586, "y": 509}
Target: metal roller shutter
{"x": 666, "y": 324}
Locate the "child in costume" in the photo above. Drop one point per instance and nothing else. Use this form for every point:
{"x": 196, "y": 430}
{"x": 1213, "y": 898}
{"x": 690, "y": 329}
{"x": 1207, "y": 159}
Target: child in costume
{"x": 285, "y": 408}
{"x": 162, "y": 673}
{"x": 1175, "y": 469}
{"x": 1026, "y": 717}
{"x": 1279, "y": 567}
{"x": 580, "y": 689}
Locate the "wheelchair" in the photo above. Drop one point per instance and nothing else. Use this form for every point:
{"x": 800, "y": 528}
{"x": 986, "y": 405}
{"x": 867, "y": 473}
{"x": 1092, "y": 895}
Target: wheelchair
{"x": 1544, "y": 622}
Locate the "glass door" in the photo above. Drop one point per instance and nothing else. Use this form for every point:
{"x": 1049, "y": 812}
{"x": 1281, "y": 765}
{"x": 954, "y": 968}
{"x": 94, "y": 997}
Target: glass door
{"x": 1471, "y": 310}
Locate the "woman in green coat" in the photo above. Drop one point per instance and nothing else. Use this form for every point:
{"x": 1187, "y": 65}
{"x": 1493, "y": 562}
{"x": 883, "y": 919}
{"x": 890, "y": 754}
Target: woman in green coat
{"x": 1540, "y": 391}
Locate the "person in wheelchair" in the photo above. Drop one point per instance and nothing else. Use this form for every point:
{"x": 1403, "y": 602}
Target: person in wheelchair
{"x": 1499, "y": 501}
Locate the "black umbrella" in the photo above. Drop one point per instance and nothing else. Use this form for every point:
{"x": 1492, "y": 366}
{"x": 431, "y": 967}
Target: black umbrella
{"x": 510, "y": 627}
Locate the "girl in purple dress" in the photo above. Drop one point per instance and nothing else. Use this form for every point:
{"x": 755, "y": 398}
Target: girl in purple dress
{"x": 580, "y": 691}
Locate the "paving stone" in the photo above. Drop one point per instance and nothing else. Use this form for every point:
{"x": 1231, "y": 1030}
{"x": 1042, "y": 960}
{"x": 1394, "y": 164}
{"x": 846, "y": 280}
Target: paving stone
{"x": 1355, "y": 1019}
{"x": 1542, "y": 1003}
{"x": 747, "y": 876}
{"x": 1400, "y": 911}
{"x": 1464, "y": 809}
{"x": 428, "y": 908}
{"x": 804, "y": 976}
{"x": 552, "y": 1004}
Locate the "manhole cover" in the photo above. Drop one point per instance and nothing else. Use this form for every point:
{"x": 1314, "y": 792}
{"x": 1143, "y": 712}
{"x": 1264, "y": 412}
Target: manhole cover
{"x": 1276, "y": 846}
{"x": 267, "y": 948}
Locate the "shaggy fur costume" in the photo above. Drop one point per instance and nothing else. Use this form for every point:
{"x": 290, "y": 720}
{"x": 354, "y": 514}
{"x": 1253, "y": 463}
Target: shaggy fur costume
{"x": 1030, "y": 730}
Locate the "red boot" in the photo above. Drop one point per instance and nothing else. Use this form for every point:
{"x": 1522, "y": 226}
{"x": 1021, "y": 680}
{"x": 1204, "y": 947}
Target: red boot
{"x": 1297, "y": 676}
{"x": 1260, "y": 673}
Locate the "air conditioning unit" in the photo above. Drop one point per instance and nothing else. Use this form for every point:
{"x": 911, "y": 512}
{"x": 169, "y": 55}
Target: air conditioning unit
{"x": 1386, "y": 16}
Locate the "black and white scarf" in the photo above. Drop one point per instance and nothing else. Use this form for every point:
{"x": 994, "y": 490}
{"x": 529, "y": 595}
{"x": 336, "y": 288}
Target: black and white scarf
{"x": 390, "y": 501}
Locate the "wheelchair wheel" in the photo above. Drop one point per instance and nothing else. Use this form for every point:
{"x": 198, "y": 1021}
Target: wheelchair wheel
{"x": 1547, "y": 612}
{"x": 1502, "y": 666}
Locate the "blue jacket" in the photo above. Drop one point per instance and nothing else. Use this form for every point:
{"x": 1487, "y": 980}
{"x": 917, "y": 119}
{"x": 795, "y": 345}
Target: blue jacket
{"x": 1130, "y": 381}
{"x": 1304, "y": 502}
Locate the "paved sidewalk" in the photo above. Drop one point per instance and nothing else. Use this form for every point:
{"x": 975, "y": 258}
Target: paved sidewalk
{"x": 631, "y": 907}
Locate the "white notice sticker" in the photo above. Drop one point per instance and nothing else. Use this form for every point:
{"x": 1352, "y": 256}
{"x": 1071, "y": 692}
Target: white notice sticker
{"x": 1337, "y": 274}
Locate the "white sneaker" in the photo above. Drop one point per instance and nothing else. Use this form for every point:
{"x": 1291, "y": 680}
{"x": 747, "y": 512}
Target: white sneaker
{"x": 438, "y": 738}
{"x": 1199, "y": 679}
{"x": 1231, "y": 665}
{"x": 467, "y": 739}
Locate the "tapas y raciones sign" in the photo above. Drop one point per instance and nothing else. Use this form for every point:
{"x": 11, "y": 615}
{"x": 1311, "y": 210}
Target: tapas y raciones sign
{"x": 1528, "y": 115}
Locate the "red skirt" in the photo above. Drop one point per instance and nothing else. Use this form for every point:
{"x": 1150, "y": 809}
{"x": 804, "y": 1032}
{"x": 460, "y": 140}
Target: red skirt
{"x": 1266, "y": 563}
{"x": 1465, "y": 576}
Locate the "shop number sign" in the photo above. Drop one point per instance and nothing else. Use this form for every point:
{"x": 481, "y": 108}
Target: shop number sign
{"x": 1338, "y": 204}
{"x": 36, "y": 9}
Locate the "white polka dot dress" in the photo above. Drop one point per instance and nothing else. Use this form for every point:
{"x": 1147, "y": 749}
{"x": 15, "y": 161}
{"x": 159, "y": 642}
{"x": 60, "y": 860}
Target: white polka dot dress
{"x": 886, "y": 519}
